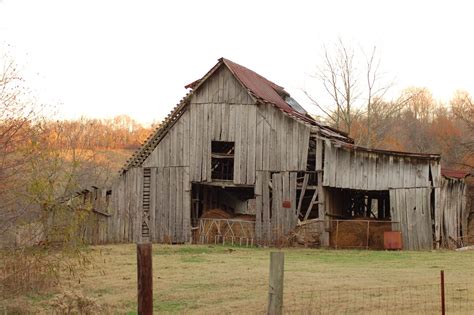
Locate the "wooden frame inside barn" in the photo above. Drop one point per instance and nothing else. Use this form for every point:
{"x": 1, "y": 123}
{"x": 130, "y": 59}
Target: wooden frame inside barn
{"x": 239, "y": 160}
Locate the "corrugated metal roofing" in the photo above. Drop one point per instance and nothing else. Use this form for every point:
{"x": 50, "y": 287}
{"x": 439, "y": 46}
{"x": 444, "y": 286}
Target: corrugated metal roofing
{"x": 458, "y": 174}
{"x": 264, "y": 89}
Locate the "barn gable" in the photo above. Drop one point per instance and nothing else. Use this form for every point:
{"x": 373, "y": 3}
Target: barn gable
{"x": 231, "y": 83}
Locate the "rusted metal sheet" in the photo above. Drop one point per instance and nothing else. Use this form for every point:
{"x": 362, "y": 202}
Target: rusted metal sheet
{"x": 457, "y": 174}
{"x": 392, "y": 240}
{"x": 286, "y": 204}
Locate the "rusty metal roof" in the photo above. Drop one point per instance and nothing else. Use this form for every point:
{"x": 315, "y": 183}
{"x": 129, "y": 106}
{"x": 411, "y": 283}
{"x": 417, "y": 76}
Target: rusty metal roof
{"x": 457, "y": 174}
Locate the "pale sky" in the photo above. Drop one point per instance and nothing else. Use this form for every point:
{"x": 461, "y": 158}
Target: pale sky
{"x": 104, "y": 58}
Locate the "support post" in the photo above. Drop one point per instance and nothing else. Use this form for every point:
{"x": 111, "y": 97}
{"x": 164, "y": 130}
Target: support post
{"x": 145, "y": 278}
{"x": 443, "y": 305}
{"x": 275, "y": 289}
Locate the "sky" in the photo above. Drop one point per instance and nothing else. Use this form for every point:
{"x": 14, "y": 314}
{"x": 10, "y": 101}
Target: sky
{"x": 106, "y": 58}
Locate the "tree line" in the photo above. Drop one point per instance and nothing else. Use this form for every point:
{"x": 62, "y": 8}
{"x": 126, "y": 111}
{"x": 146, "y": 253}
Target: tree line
{"x": 356, "y": 102}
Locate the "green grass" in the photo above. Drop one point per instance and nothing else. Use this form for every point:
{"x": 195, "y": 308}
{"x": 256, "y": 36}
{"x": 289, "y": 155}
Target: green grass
{"x": 221, "y": 279}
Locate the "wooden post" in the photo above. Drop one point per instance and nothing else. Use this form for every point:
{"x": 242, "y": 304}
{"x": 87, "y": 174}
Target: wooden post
{"x": 145, "y": 278}
{"x": 368, "y": 233}
{"x": 275, "y": 289}
{"x": 443, "y": 305}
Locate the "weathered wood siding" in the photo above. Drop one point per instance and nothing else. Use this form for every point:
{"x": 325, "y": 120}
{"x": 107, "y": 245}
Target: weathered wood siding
{"x": 173, "y": 149}
{"x": 124, "y": 225}
{"x": 412, "y": 209}
{"x": 171, "y": 205}
{"x": 265, "y": 139}
{"x": 357, "y": 169}
{"x": 276, "y": 213}
{"x": 453, "y": 213}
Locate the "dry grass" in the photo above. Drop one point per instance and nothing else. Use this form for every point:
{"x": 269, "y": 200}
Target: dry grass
{"x": 218, "y": 279}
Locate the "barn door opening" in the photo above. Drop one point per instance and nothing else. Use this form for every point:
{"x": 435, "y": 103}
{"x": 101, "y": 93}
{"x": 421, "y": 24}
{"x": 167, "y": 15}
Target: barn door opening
{"x": 223, "y": 214}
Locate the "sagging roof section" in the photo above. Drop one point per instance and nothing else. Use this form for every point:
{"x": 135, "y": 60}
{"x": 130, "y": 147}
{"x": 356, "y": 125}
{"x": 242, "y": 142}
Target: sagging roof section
{"x": 423, "y": 156}
{"x": 261, "y": 89}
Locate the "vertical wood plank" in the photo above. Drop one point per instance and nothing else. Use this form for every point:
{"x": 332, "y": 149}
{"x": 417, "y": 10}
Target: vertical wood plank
{"x": 238, "y": 144}
{"x": 258, "y": 201}
{"x": 251, "y": 143}
{"x": 179, "y": 232}
{"x": 293, "y": 217}
{"x": 259, "y": 141}
{"x": 266, "y": 206}
{"x": 187, "y": 205}
{"x": 243, "y": 143}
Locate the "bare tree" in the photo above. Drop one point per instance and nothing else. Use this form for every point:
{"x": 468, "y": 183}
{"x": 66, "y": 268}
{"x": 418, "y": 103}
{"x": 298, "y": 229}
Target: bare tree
{"x": 16, "y": 117}
{"x": 356, "y": 88}
{"x": 462, "y": 106}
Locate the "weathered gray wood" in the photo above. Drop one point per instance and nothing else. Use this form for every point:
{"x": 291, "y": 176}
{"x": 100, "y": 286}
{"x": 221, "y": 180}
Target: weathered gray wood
{"x": 243, "y": 144}
{"x": 305, "y": 133}
{"x": 275, "y": 288}
{"x": 285, "y": 198}
{"x": 259, "y": 206}
{"x": 251, "y": 144}
{"x": 266, "y": 142}
{"x": 179, "y": 232}
{"x": 327, "y": 162}
{"x": 302, "y": 193}
{"x": 153, "y": 188}
{"x": 294, "y": 147}
{"x": 238, "y": 145}
{"x": 166, "y": 205}
{"x": 266, "y": 206}
{"x": 206, "y": 146}
{"x": 259, "y": 141}
{"x": 274, "y": 147}
{"x": 293, "y": 216}
{"x": 319, "y": 154}
{"x": 187, "y": 205}
{"x": 311, "y": 204}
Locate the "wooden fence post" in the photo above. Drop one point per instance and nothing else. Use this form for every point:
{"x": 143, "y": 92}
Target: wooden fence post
{"x": 275, "y": 289}
{"x": 145, "y": 278}
{"x": 443, "y": 305}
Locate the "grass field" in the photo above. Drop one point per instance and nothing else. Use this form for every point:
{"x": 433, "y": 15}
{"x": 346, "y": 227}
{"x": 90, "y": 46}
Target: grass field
{"x": 219, "y": 279}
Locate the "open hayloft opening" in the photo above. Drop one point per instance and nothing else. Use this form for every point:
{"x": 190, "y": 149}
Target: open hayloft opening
{"x": 223, "y": 214}
{"x": 359, "y": 218}
{"x": 222, "y": 160}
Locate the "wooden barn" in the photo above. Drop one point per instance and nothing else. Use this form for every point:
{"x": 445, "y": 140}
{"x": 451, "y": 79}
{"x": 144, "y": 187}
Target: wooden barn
{"x": 239, "y": 160}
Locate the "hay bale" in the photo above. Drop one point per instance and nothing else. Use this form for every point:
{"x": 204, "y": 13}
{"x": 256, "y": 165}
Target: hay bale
{"x": 353, "y": 234}
{"x": 244, "y": 217}
{"x": 219, "y": 228}
{"x": 376, "y": 234}
{"x": 213, "y": 228}
{"x": 244, "y": 229}
{"x": 216, "y": 214}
